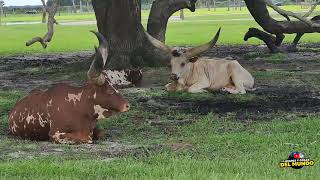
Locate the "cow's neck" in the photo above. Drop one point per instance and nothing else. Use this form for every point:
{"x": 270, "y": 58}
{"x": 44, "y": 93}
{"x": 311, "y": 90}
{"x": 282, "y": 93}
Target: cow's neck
{"x": 188, "y": 76}
{"x": 89, "y": 92}
{"x": 96, "y": 109}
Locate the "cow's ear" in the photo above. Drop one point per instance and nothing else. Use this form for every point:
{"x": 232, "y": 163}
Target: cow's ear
{"x": 193, "y": 59}
{"x": 175, "y": 53}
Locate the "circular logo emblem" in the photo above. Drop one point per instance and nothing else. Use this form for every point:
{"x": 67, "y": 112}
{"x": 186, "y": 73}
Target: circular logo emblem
{"x": 296, "y": 156}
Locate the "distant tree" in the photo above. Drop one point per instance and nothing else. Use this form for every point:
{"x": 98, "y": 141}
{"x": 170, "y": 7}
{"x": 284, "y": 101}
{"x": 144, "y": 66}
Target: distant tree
{"x": 1, "y": 10}
{"x": 74, "y": 6}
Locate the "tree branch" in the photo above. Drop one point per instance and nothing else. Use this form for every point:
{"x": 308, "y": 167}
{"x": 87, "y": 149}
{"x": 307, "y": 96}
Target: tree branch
{"x": 265, "y": 37}
{"x": 50, "y": 25}
{"x": 160, "y": 13}
{"x": 311, "y": 10}
{"x": 286, "y": 14}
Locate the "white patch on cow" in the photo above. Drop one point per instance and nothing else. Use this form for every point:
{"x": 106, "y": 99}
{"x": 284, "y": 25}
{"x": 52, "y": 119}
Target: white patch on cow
{"x": 29, "y": 118}
{"x": 60, "y": 140}
{"x": 24, "y": 126}
{"x": 90, "y": 140}
{"x": 99, "y": 110}
{"x": 42, "y": 121}
{"x": 14, "y": 127}
{"x": 58, "y": 109}
{"x": 73, "y": 97}
{"x": 117, "y": 77}
{"x": 95, "y": 95}
{"x": 49, "y": 103}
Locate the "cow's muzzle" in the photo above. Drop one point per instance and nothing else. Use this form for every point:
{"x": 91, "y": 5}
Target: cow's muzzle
{"x": 125, "y": 107}
{"x": 174, "y": 77}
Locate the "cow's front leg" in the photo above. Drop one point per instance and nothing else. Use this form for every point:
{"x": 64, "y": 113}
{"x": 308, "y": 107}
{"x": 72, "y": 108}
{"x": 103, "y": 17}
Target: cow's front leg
{"x": 199, "y": 87}
{"x": 174, "y": 86}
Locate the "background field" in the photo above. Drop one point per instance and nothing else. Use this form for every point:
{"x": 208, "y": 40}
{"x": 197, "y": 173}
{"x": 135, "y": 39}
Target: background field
{"x": 197, "y": 28}
{"x": 169, "y": 135}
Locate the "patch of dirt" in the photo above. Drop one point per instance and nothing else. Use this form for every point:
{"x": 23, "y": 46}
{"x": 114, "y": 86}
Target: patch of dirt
{"x": 270, "y": 100}
{"x": 105, "y": 150}
{"x": 11, "y": 67}
{"x": 307, "y": 59}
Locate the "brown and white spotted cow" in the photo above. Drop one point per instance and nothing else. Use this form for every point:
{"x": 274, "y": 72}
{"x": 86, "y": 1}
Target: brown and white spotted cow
{"x": 68, "y": 114}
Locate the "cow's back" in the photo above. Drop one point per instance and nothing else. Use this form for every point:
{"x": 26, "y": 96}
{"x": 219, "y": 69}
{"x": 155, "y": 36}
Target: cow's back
{"x": 29, "y": 117}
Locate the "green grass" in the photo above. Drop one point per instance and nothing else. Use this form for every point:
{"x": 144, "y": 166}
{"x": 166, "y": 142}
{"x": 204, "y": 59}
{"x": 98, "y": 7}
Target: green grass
{"x": 222, "y": 149}
{"x": 197, "y": 29}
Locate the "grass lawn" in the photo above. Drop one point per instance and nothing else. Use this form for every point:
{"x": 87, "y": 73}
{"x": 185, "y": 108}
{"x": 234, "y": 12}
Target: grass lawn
{"x": 198, "y": 28}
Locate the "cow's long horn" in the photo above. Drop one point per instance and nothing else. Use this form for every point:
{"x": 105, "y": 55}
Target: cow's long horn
{"x": 200, "y": 49}
{"x": 158, "y": 44}
{"x": 98, "y": 62}
{"x": 102, "y": 40}
{"x": 95, "y": 71}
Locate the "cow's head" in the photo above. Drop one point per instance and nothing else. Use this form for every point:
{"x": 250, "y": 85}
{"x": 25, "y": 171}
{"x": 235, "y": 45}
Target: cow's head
{"x": 181, "y": 61}
{"x": 105, "y": 95}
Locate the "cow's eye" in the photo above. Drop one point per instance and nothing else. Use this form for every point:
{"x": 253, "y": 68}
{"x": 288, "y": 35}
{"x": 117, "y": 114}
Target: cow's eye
{"x": 183, "y": 64}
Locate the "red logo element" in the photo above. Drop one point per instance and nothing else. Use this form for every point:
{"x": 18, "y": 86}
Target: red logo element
{"x": 296, "y": 156}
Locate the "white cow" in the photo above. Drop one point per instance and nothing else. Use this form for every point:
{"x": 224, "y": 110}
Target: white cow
{"x": 195, "y": 75}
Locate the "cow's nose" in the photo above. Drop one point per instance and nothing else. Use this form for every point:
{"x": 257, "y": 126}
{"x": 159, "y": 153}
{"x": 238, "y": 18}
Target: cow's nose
{"x": 125, "y": 108}
{"x": 174, "y": 77}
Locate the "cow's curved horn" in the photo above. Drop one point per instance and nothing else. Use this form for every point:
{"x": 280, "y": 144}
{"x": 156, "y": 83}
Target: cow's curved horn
{"x": 158, "y": 44}
{"x": 98, "y": 62}
{"x": 95, "y": 71}
{"x": 200, "y": 49}
{"x": 102, "y": 40}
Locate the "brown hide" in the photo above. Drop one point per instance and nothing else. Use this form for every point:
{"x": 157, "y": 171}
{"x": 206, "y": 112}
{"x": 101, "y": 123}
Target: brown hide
{"x": 65, "y": 114}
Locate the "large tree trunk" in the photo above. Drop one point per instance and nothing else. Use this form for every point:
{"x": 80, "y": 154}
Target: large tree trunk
{"x": 160, "y": 13}
{"x": 120, "y": 22}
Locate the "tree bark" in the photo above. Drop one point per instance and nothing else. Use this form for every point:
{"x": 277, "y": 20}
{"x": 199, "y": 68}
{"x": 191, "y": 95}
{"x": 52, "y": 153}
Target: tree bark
{"x": 160, "y": 13}
{"x": 120, "y": 22}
